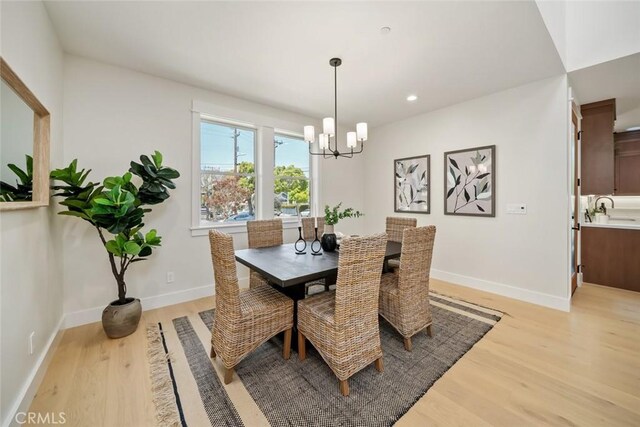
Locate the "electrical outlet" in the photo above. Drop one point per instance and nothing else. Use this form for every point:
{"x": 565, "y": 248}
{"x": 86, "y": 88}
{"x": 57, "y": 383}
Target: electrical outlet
{"x": 171, "y": 277}
{"x": 31, "y": 342}
{"x": 517, "y": 208}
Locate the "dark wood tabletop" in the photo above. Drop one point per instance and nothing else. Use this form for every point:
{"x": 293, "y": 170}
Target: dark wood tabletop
{"x": 282, "y": 267}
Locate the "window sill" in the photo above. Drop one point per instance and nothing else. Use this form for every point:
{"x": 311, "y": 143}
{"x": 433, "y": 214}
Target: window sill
{"x": 239, "y": 228}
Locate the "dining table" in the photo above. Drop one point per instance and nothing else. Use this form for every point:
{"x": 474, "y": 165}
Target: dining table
{"x": 288, "y": 272}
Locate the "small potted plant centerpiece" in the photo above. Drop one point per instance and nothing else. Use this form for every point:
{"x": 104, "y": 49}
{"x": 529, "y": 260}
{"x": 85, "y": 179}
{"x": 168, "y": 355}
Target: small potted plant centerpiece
{"x": 331, "y": 217}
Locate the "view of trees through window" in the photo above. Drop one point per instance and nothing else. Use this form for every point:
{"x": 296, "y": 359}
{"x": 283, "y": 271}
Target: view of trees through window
{"x": 228, "y": 179}
{"x": 291, "y": 176}
{"x": 227, "y": 173}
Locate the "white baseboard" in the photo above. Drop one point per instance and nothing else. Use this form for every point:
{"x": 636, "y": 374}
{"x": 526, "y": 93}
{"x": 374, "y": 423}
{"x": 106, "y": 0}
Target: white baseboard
{"x": 31, "y": 384}
{"x": 526, "y": 295}
{"x": 90, "y": 315}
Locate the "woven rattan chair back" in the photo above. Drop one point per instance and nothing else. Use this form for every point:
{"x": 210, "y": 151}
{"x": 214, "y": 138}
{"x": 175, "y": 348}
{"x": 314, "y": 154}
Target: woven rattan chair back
{"x": 357, "y": 287}
{"x": 396, "y": 225}
{"x": 264, "y": 233}
{"x": 415, "y": 259}
{"x": 224, "y": 271}
{"x": 308, "y": 228}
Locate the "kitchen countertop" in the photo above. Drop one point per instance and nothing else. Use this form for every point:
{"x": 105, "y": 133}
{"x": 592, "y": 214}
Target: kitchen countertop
{"x": 627, "y": 225}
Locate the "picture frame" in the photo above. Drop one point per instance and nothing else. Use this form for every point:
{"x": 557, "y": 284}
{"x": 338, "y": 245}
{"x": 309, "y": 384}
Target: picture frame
{"x": 470, "y": 181}
{"x": 412, "y": 184}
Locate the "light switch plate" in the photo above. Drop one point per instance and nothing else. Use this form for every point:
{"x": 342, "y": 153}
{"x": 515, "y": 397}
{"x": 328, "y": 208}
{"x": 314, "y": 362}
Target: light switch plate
{"x": 517, "y": 208}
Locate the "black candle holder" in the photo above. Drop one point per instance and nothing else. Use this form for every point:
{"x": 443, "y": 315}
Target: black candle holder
{"x": 300, "y": 242}
{"x": 316, "y": 246}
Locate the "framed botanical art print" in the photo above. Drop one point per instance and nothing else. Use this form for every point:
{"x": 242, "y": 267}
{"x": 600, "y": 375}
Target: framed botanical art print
{"x": 469, "y": 181}
{"x": 412, "y": 184}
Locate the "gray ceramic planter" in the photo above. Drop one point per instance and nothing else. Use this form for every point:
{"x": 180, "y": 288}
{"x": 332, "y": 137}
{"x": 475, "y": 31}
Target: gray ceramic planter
{"x": 120, "y": 320}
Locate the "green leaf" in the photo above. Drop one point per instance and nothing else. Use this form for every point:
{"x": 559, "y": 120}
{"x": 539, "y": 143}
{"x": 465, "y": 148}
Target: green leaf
{"x": 454, "y": 163}
{"x": 24, "y": 178}
{"x": 145, "y": 251}
{"x": 132, "y": 248}
{"x": 113, "y": 247}
{"x": 466, "y": 195}
{"x": 482, "y": 175}
{"x": 157, "y": 159}
{"x": 75, "y": 213}
{"x": 103, "y": 201}
{"x": 479, "y": 208}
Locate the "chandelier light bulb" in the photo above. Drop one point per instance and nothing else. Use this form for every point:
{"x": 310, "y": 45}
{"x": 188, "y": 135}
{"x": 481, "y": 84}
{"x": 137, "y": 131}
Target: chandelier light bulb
{"x": 328, "y": 126}
{"x": 351, "y": 140}
{"x": 309, "y": 134}
{"x": 362, "y": 131}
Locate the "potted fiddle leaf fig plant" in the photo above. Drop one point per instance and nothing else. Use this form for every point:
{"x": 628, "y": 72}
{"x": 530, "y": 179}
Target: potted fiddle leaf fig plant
{"x": 116, "y": 210}
{"x": 329, "y": 240}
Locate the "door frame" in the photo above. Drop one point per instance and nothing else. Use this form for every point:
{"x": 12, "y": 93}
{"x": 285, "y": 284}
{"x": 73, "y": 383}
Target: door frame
{"x": 576, "y": 221}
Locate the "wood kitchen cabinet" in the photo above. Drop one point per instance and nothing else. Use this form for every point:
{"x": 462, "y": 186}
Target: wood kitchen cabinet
{"x": 611, "y": 257}
{"x": 627, "y": 163}
{"x": 597, "y": 147}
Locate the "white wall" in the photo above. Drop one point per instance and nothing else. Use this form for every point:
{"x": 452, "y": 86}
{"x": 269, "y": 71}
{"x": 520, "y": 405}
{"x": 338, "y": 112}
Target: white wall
{"x": 30, "y": 259}
{"x": 521, "y": 256}
{"x": 112, "y": 115}
{"x": 587, "y": 33}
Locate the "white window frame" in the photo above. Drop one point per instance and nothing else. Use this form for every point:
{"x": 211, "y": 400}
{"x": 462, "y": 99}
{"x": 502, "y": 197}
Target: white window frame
{"x": 312, "y": 176}
{"x": 266, "y": 126}
{"x": 234, "y": 125}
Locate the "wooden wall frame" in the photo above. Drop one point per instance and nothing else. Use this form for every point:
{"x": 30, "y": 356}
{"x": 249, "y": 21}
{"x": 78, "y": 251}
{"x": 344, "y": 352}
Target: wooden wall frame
{"x": 41, "y": 137}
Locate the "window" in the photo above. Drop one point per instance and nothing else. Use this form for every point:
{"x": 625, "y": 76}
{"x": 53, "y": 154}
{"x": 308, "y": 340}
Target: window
{"x": 291, "y": 176}
{"x": 227, "y": 173}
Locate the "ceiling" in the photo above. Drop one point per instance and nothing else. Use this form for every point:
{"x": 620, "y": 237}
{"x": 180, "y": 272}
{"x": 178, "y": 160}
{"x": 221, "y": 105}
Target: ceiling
{"x": 277, "y": 53}
{"x": 619, "y": 79}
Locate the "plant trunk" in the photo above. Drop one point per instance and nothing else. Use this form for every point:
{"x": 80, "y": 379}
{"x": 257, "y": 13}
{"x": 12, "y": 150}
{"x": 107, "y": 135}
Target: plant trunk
{"x": 119, "y": 276}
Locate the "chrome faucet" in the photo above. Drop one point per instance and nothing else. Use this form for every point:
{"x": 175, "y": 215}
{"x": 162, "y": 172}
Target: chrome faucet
{"x": 613, "y": 205}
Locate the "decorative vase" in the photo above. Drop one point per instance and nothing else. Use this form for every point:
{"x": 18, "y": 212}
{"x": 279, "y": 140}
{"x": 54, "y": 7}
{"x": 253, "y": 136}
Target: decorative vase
{"x": 329, "y": 241}
{"x": 120, "y": 320}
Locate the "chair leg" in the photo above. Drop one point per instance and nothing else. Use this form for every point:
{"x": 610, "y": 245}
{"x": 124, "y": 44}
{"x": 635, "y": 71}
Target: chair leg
{"x": 378, "y": 364}
{"x": 286, "y": 349}
{"x": 302, "y": 352}
{"x": 407, "y": 344}
{"x": 429, "y": 331}
{"x": 213, "y": 353}
{"x": 344, "y": 387}
{"x": 228, "y": 375}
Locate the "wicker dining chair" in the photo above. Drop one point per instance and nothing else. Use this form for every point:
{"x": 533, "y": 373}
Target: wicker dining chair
{"x": 308, "y": 227}
{"x": 309, "y": 233}
{"x": 343, "y": 324}
{"x": 404, "y": 294}
{"x": 262, "y": 234}
{"x": 243, "y": 320}
{"x": 395, "y": 227}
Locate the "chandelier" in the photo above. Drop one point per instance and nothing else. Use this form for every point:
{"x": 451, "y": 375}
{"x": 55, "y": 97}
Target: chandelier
{"x": 328, "y": 139}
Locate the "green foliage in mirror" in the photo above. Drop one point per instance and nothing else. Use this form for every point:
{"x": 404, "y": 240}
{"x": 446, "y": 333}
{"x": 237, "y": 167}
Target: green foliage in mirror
{"x": 23, "y": 190}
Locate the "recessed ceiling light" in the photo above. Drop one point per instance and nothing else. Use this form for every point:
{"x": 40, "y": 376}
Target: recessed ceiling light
{"x": 412, "y": 98}
{"x": 385, "y": 30}
{"x": 633, "y": 128}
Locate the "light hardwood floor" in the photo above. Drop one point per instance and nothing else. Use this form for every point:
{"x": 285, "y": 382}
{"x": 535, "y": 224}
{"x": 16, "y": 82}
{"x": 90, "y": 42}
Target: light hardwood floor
{"x": 537, "y": 366}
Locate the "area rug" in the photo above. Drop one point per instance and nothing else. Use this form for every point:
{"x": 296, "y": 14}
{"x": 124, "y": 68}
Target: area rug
{"x": 269, "y": 390}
